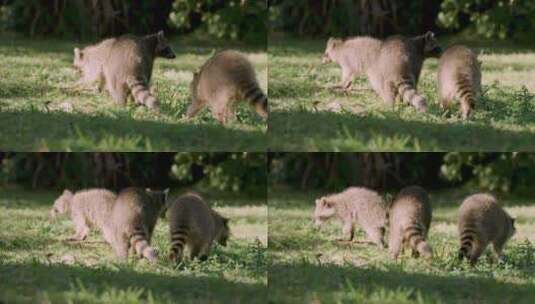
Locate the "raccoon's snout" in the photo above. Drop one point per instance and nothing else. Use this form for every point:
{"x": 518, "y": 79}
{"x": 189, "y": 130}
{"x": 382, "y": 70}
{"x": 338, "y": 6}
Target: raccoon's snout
{"x": 325, "y": 59}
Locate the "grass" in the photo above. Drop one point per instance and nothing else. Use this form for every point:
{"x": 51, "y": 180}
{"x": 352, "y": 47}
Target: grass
{"x": 308, "y": 116}
{"x": 35, "y": 266}
{"x": 41, "y": 112}
{"x": 308, "y": 266}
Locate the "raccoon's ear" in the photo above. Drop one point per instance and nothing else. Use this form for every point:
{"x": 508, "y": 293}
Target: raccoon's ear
{"x": 160, "y": 34}
{"x": 148, "y": 190}
{"x": 166, "y": 192}
{"x": 67, "y": 192}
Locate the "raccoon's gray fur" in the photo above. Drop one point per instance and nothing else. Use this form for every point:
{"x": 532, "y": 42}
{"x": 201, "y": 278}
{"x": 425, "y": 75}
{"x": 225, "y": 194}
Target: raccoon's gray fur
{"x": 410, "y": 217}
{"x": 125, "y": 64}
{"x": 354, "y": 206}
{"x": 132, "y": 221}
{"x": 353, "y": 55}
{"x": 483, "y": 221}
{"x": 87, "y": 208}
{"x": 224, "y": 79}
{"x": 89, "y": 62}
{"x": 393, "y": 66}
{"x": 459, "y": 77}
{"x": 194, "y": 224}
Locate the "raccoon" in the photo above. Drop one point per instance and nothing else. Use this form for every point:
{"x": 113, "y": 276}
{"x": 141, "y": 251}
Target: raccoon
{"x": 459, "y": 77}
{"x": 87, "y": 208}
{"x": 483, "y": 221}
{"x": 410, "y": 217}
{"x": 193, "y": 223}
{"x": 352, "y": 206}
{"x": 133, "y": 219}
{"x": 125, "y": 65}
{"x": 223, "y": 80}
{"x": 398, "y": 66}
{"x": 393, "y": 66}
{"x": 352, "y": 55}
{"x": 89, "y": 62}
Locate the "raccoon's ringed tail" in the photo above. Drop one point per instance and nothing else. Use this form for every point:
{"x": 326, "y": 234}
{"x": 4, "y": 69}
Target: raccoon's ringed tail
{"x": 141, "y": 92}
{"x": 467, "y": 238}
{"x": 178, "y": 240}
{"x": 257, "y": 98}
{"x": 415, "y": 237}
{"x": 142, "y": 247}
{"x": 407, "y": 92}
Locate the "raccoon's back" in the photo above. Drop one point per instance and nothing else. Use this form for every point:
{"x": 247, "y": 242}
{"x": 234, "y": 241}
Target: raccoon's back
{"x": 366, "y": 203}
{"x": 458, "y": 68}
{"x": 482, "y": 213}
{"x": 192, "y": 213}
{"x": 96, "y": 204}
{"x": 397, "y": 59}
{"x": 228, "y": 68}
{"x": 411, "y": 205}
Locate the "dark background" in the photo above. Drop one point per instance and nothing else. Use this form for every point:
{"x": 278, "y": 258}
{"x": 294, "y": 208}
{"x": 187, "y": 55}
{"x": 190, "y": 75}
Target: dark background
{"x": 498, "y": 172}
{"x": 91, "y": 19}
{"x": 500, "y": 19}
{"x": 232, "y": 172}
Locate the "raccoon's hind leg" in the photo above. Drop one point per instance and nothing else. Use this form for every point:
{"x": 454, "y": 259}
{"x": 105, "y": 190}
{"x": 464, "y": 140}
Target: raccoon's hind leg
{"x": 121, "y": 247}
{"x": 477, "y": 250}
{"x": 118, "y": 92}
{"x": 395, "y": 243}
{"x": 375, "y": 234}
{"x": 142, "y": 247}
{"x": 219, "y": 107}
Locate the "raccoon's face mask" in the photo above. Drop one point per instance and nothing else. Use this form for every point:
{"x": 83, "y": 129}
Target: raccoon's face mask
{"x": 78, "y": 59}
{"x": 162, "y": 48}
{"x": 324, "y": 210}
{"x": 61, "y": 204}
{"x": 332, "y": 44}
{"x": 431, "y": 46}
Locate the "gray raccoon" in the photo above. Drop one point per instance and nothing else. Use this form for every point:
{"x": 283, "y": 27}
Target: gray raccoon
{"x": 353, "y": 55}
{"x": 483, "y": 221}
{"x": 410, "y": 218}
{"x": 224, "y": 79}
{"x": 352, "y": 206}
{"x": 393, "y": 66}
{"x": 133, "y": 219}
{"x": 89, "y": 62}
{"x": 459, "y": 77}
{"x": 194, "y": 224}
{"x": 125, "y": 65}
{"x": 88, "y": 209}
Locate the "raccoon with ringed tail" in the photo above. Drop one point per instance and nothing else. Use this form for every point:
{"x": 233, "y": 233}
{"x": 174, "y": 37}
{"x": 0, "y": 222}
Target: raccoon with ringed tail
{"x": 353, "y": 206}
{"x": 459, "y": 78}
{"x": 193, "y": 224}
{"x": 133, "y": 219}
{"x": 223, "y": 80}
{"x": 410, "y": 216}
{"x": 125, "y": 65}
{"x": 393, "y": 65}
{"x": 483, "y": 221}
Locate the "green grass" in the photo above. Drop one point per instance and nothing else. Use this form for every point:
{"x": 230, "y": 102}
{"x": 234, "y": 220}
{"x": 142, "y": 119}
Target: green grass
{"x": 312, "y": 267}
{"x": 40, "y": 111}
{"x": 308, "y": 116}
{"x": 32, "y": 250}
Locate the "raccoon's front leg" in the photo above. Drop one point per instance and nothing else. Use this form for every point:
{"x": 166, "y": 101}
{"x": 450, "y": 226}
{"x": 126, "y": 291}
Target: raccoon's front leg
{"x": 348, "y": 231}
{"x": 82, "y": 229}
{"x": 346, "y": 80}
{"x": 194, "y": 108}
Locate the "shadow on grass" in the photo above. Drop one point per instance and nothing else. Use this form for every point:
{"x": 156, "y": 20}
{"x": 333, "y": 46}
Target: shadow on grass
{"x": 61, "y": 282}
{"x": 328, "y": 131}
{"x": 58, "y": 131}
{"x": 289, "y": 282}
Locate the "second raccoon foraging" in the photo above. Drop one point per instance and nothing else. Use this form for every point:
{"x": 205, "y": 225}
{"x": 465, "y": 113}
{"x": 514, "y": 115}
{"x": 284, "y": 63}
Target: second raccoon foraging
{"x": 223, "y": 80}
